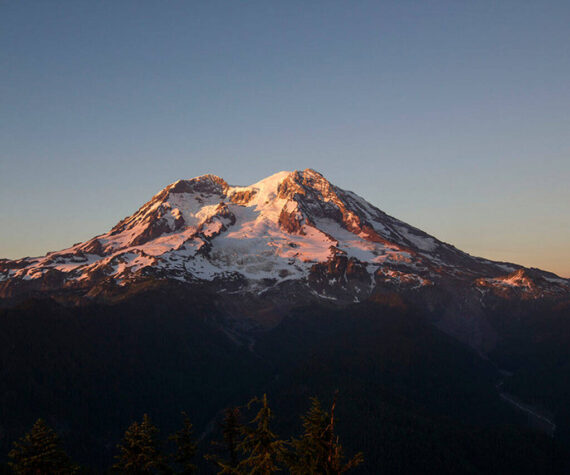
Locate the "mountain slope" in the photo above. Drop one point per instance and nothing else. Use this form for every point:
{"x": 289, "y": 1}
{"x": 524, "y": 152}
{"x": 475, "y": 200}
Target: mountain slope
{"x": 410, "y": 397}
{"x": 288, "y": 227}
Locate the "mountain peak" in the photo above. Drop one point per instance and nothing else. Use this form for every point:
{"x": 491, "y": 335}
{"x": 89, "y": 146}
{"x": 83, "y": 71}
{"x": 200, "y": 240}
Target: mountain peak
{"x": 210, "y": 183}
{"x": 300, "y": 182}
{"x": 205, "y": 183}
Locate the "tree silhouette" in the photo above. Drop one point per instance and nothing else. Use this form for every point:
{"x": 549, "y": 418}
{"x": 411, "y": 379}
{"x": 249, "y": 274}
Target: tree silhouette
{"x": 140, "y": 450}
{"x": 185, "y": 446}
{"x": 39, "y": 452}
{"x": 263, "y": 451}
{"x": 231, "y": 436}
{"x": 318, "y": 450}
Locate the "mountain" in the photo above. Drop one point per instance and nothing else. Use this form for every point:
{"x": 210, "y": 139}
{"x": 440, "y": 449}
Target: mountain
{"x": 210, "y": 294}
{"x": 289, "y": 226}
{"x": 290, "y": 238}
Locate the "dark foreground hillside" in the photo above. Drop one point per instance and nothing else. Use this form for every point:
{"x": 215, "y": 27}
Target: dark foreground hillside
{"x": 411, "y": 398}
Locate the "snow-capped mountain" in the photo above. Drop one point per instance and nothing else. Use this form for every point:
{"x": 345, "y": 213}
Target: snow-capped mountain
{"x": 291, "y": 226}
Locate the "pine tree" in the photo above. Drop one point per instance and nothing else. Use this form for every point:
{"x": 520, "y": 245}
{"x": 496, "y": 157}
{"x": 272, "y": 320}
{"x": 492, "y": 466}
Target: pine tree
{"x": 263, "y": 450}
{"x": 231, "y": 430}
{"x": 40, "y": 451}
{"x": 185, "y": 446}
{"x": 140, "y": 450}
{"x": 231, "y": 434}
{"x": 318, "y": 451}
{"x": 311, "y": 450}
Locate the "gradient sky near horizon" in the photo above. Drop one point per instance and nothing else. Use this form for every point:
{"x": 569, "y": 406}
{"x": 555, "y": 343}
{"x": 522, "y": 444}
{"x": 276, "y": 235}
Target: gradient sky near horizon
{"x": 453, "y": 116}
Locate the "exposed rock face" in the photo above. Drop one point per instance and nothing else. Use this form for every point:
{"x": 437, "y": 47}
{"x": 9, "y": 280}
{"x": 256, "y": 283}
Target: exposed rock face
{"x": 290, "y": 238}
{"x": 317, "y": 198}
{"x": 291, "y": 221}
{"x": 524, "y": 283}
{"x": 217, "y": 223}
{"x": 158, "y": 216}
{"x": 340, "y": 277}
{"x": 242, "y": 197}
{"x": 206, "y": 184}
{"x": 93, "y": 247}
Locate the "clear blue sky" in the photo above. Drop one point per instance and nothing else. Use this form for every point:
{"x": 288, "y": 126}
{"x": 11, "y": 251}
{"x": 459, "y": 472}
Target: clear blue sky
{"x": 453, "y": 116}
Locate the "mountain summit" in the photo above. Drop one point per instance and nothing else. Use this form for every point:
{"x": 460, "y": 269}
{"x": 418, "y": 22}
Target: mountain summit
{"x": 290, "y": 227}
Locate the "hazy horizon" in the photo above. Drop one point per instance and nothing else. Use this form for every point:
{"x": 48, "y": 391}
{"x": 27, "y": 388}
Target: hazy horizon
{"x": 451, "y": 117}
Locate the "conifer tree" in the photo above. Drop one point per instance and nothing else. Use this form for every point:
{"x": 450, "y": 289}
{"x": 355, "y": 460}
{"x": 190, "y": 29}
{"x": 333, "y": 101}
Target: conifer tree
{"x": 318, "y": 450}
{"x": 262, "y": 449}
{"x": 231, "y": 435}
{"x": 185, "y": 446}
{"x": 311, "y": 449}
{"x": 40, "y": 451}
{"x": 231, "y": 430}
{"x": 140, "y": 450}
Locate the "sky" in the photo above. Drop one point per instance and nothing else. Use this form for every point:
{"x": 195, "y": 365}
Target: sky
{"x": 452, "y": 116}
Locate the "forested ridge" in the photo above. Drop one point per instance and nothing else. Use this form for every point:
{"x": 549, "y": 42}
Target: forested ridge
{"x": 243, "y": 447}
{"x": 411, "y": 398}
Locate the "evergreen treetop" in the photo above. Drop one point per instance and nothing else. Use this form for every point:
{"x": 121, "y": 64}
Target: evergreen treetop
{"x": 40, "y": 451}
{"x": 318, "y": 450}
{"x": 231, "y": 436}
{"x": 140, "y": 450}
{"x": 185, "y": 446}
{"x": 263, "y": 450}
